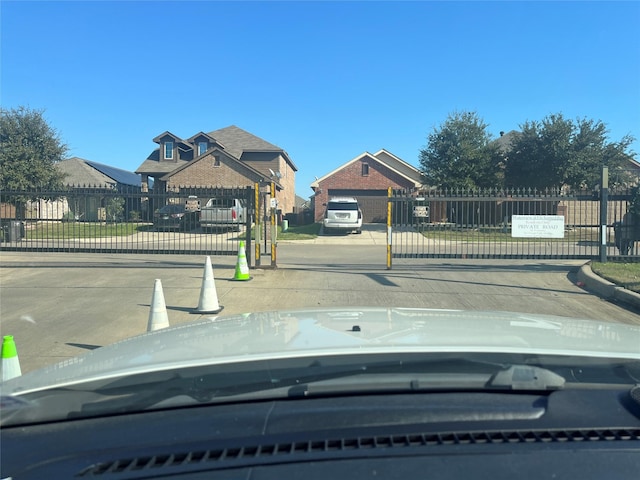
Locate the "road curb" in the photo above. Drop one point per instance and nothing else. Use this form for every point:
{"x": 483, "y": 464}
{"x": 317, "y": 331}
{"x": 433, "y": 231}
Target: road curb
{"x": 605, "y": 288}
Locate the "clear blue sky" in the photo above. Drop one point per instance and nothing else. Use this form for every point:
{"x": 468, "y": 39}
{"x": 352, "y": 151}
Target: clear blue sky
{"x": 326, "y": 81}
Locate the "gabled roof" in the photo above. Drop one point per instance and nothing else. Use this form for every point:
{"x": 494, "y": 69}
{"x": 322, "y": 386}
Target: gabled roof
{"x": 85, "y": 172}
{"x": 192, "y": 138}
{"x": 257, "y": 174}
{"x": 385, "y": 158}
{"x": 231, "y": 140}
{"x": 237, "y": 141}
{"x": 153, "y": 166}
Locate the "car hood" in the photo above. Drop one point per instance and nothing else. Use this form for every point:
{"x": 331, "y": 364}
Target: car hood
{"x": 310, "y": 333}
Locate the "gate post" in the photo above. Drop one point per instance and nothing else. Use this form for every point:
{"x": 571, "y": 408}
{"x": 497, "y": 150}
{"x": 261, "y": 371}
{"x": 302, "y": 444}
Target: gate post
{"x": 389, "y": 210}
{"x": 256, "y": 217}
{"x": 604, "y": 197}
{"x": 274, "y": 227}
{"x": 248, "y": 220}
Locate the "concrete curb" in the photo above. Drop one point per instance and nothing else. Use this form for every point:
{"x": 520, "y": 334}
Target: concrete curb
{"x": 606, "y": 289}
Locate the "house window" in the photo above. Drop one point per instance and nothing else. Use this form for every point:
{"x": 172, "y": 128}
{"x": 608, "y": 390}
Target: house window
{"x": 168, "y": 150}
{"x": 216, "y": 161}
{"x": 365, "y": 169}
{"x": 202, "y": 147}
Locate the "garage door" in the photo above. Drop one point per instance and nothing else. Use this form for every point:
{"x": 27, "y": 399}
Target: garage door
{"x": 372, "y": 202}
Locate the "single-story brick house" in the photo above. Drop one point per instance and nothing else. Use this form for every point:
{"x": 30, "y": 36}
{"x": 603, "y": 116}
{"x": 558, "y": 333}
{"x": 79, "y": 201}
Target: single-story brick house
{"x": 228, "y": 158}
{"x": 367, "y": 177}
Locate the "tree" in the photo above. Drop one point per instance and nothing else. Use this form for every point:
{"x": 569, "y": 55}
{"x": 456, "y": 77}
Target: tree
{"x": 29, "y": 151}
{"x": 115, "y": 208}
{"x": 559, "y": 152}
{"x": 461, "y": 154}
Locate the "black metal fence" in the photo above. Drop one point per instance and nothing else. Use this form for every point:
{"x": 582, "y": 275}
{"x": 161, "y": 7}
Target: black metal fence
{"x": 520, "y": 223}
{"x": 121, "y": 219}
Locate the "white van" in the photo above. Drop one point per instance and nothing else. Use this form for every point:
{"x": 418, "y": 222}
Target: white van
{"x": 342, "y": 214}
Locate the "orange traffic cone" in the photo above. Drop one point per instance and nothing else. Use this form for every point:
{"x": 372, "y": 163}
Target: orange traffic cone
{"x": 158, "y": 317}
{"x": 242, "y": 268}
{"x": 10, "y": 362}
{"x": 208, "y": 302}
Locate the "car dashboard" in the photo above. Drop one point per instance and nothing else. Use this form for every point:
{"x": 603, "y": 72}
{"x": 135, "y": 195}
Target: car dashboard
{"x": 571, "y": 433}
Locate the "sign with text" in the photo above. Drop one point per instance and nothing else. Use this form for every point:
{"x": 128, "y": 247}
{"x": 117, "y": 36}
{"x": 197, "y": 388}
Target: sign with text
{"x": 421, "y": 211}
{"x": 537, "y": 226}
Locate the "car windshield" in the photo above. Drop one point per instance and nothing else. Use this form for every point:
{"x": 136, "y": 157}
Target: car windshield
{"x": 204, "y": 203}
{"x": 172, "y": 209}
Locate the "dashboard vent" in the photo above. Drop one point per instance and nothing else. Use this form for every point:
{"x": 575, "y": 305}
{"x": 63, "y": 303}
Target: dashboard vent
{"x": 272, "y": 452}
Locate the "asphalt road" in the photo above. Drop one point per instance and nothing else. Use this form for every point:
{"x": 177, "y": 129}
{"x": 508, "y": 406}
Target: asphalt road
{"x": 59, "y": 305}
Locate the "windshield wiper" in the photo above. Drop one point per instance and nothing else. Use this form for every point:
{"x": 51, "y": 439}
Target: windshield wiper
{"x": 513, "y": 378}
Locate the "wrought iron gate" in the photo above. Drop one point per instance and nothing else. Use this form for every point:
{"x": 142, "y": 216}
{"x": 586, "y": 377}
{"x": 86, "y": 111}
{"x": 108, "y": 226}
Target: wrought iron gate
{"x": 480, "y": 224}
{"x": 124, "y": 220}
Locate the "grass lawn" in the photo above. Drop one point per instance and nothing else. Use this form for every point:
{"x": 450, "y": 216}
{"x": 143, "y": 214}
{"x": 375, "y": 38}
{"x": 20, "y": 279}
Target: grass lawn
{"x": 624, "y": 274}
{"x": 302, "y": 232}
{"x": 82, "y": 230}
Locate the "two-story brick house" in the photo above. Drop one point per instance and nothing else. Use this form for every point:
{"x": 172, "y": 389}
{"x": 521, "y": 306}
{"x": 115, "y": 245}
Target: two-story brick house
{"x": 367, "y": 178}
{"x": 229, "y": 157}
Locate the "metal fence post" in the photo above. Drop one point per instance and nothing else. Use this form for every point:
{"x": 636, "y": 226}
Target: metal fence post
{"x": 248, "y": 199}
{"x": 274, "y": 228}
{"x": 389, "y": 210}
{"x": 604, "y": 199}
{"x": 256, "y": 216}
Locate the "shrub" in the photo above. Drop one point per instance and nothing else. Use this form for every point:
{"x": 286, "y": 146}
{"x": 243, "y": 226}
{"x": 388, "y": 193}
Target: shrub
{"x": 69, "y": 217}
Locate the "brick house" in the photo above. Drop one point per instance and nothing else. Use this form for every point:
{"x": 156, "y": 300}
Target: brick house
{"x": 367, "y": 178}
{"x": 229, "y": 157}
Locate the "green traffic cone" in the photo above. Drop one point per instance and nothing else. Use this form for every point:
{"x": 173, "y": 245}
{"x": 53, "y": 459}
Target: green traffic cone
{"x": 242, "y": 268}
{"x": 10, "y": 362}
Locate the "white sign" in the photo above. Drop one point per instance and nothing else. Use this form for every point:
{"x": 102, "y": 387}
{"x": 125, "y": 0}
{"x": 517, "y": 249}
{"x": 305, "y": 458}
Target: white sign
{"x": 421, "y": 211}
{"x": 537, "y": 226}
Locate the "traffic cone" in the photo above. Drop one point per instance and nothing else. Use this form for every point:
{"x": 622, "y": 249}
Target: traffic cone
{"x": 242, "y": 269}
{"x": 158, "y": 318}
{"x": 208, "y": 302}
{"x": 10, "y": 362}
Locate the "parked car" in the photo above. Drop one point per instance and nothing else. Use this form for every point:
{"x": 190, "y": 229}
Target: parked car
{"x": 223, "y": 212}
{"x": 175, "y": 217}
{"x": 342, "y": 214}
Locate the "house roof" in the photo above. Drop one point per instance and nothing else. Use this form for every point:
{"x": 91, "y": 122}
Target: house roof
{"x": 302, "y": 202}
{"x": 232, "y": 140}
{"x": 86, "y": 172}
{"x": 257, "y": 174}
{"x": 237, "y": 141}
{"x": 387, "y": 159}
{"x": 153, "y": 166}
{"x": 505, "y": 140}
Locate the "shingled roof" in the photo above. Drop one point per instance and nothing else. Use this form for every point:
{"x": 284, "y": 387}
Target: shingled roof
{"x": 81, "y": 172}
{"x": 236, "y": 141}
{"x": 233, "y": 140}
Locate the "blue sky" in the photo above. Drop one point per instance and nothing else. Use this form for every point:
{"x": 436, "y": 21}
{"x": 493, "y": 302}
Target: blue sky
{"x": 326, "y": 81}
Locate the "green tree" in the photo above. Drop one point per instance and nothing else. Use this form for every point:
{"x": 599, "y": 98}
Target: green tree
{"x": 557, "y": 152}
{"x": 115, "y": 208}
{"x": 461, "y": 154}
{"x": 29, "y": 151}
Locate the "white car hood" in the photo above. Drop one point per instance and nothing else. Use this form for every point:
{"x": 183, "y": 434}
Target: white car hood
{"x": 311, "y": 333}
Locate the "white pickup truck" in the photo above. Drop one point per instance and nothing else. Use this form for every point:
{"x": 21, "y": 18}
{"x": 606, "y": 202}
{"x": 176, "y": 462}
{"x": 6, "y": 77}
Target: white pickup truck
{"x": 223, "y": 212}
